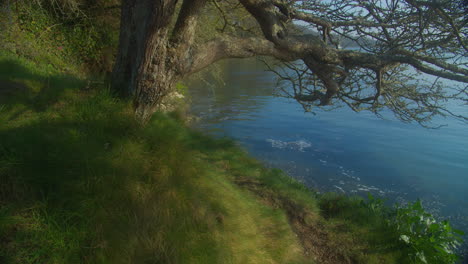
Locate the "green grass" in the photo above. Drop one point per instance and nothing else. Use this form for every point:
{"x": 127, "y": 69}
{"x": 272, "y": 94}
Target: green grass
{"x": 82, "y": 182}
{"x": 78, "y": 41}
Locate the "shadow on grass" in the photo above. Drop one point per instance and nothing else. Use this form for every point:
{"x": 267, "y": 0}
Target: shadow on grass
{"x": 19, "y": 84}
{"x": 89, "y": 182}
{"x": 50, "y": 188}
{"x": 81, "y": 181}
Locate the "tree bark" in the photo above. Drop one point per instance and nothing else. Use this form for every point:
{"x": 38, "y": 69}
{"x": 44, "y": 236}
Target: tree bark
{"x": 153, "y": 56}
{"x": 141, "y": 66}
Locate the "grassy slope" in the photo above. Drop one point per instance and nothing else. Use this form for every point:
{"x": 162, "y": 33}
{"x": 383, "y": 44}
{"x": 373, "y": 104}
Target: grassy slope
{"x": 81, "y": 182}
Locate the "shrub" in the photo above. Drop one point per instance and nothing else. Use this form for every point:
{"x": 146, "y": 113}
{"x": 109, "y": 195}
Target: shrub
{"x": 430, "y": 241}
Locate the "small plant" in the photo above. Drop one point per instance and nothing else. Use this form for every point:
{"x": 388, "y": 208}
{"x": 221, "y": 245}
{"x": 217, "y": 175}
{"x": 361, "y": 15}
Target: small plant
{"x": 181, "y": 88}
{"x": 376, "y": 205}
{"x": 429, "y": 241}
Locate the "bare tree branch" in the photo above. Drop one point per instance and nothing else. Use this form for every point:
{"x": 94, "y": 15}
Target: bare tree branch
{"x": 232, "y": 47}
{"x": 390, "y": 44}
{"x": 430, "y": 37}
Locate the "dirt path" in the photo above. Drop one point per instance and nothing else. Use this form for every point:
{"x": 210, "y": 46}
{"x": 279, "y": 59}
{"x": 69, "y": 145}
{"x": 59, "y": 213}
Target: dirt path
{"x": 314, "y": 238}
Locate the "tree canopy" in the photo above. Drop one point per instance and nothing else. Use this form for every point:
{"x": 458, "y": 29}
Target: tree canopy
{"x": 369, "y": 55}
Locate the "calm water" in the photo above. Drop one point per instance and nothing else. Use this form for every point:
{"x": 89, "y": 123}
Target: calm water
{"x": 341, "y": 151}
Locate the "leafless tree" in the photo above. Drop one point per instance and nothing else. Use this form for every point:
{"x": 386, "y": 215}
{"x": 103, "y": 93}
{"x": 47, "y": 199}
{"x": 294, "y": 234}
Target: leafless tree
{"x": 369, "y": 55}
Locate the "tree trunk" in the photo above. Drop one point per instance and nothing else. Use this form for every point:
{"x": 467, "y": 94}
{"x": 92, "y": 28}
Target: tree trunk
{"x": 142, "y": 67}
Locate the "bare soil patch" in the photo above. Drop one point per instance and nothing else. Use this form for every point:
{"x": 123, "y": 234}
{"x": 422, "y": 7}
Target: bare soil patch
{"x": 314, "y": 238}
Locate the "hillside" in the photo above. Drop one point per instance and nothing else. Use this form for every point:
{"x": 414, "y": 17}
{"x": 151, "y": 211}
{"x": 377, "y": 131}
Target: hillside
{"x": 82, "y": 182}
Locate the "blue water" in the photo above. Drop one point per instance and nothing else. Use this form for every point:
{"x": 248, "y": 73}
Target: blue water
{"x": 340, "y": 150}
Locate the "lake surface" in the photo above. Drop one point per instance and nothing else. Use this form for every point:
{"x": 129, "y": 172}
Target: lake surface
{"x": 339, "y": 150}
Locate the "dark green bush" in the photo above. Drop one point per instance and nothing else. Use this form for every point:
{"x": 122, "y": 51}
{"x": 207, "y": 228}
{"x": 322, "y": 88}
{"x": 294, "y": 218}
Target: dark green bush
{"x": 429, "y": 241}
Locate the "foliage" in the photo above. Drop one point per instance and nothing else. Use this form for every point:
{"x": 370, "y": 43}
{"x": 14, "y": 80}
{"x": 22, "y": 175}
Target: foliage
{"x": 427, "y": 240}
{"x": 375, "y": 204}
{"x": 58, "y": 31}
{"x": 430, "y": 241}
{"x": 422, "y": 238}
{"x": 354, "y": 221}
{"x": 181, "y": 88}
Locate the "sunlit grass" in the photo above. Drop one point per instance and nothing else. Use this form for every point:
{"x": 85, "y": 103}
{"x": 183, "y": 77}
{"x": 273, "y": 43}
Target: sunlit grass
{"x": 82, "y": 182}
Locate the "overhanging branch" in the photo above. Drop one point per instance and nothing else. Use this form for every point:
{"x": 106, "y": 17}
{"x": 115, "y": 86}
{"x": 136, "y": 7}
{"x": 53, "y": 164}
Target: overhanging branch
{"x": 232, "y": 47}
